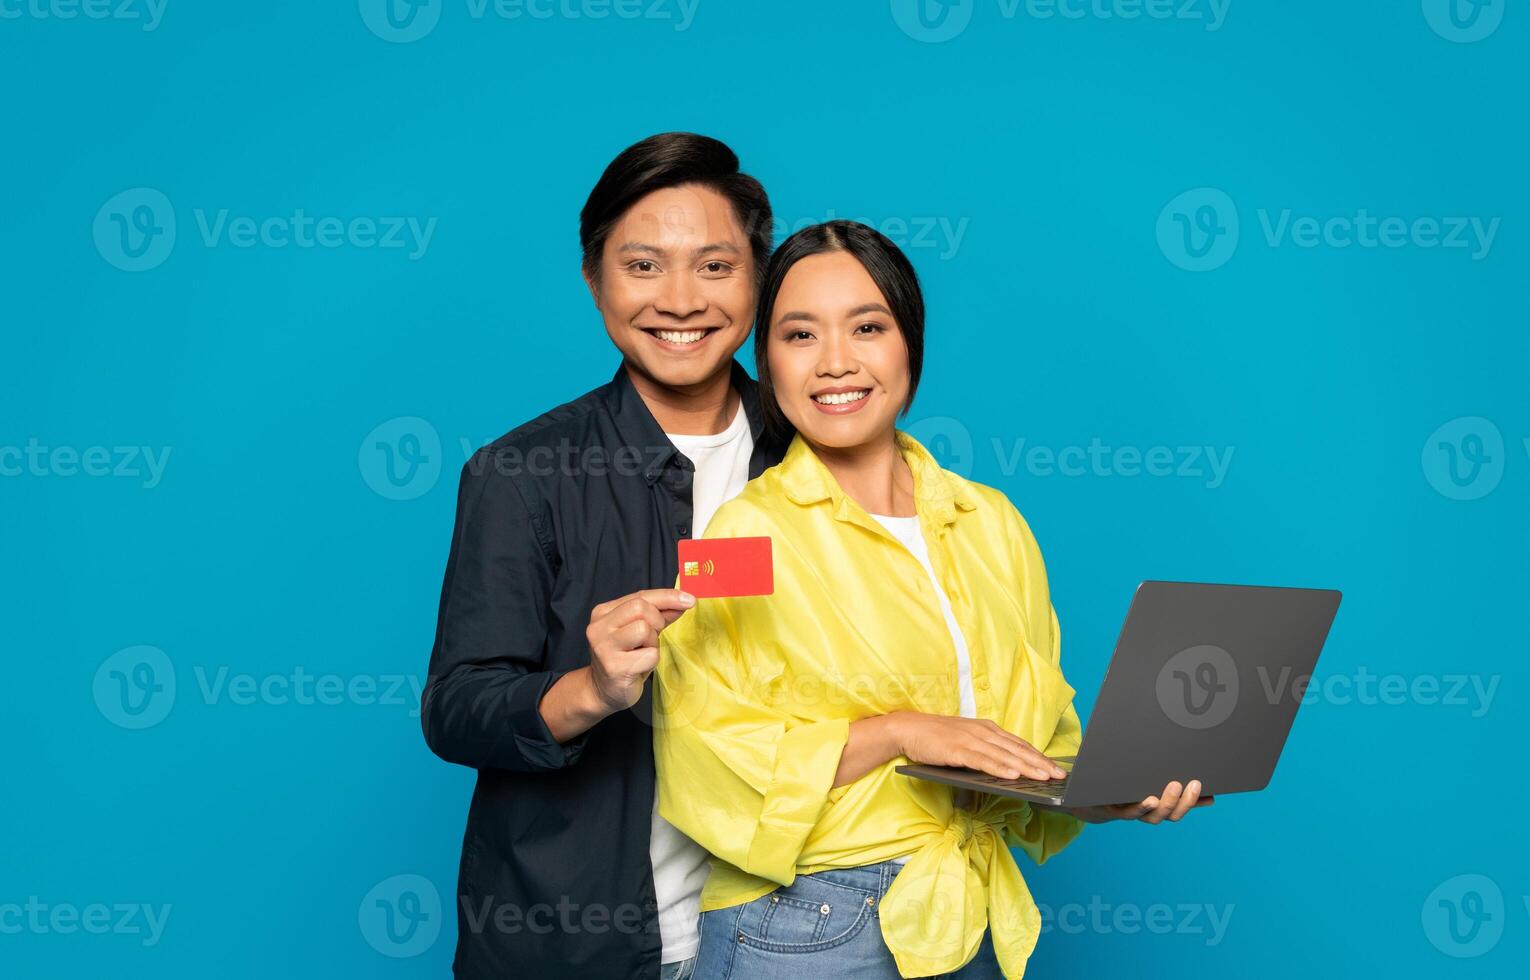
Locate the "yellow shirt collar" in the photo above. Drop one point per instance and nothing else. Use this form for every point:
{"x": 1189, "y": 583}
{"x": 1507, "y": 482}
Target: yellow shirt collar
{"x": 941, "y": 495}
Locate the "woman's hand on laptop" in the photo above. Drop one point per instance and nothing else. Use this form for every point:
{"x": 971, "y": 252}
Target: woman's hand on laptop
{"x": 940, "y": 740}
{"x": 969, "y": 743}
{"x": 1173, "y": 803}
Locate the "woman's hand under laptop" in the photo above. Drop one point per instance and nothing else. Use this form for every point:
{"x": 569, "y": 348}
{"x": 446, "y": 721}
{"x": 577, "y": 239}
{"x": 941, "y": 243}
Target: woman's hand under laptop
{"x": 1172, "y": 804}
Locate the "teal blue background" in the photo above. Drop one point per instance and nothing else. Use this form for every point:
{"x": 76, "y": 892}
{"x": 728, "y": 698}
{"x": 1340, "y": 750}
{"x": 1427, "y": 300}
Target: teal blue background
{"x": 1056, "y": 320}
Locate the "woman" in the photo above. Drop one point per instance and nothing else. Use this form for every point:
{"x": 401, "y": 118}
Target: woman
{"x": 910, "y": 621}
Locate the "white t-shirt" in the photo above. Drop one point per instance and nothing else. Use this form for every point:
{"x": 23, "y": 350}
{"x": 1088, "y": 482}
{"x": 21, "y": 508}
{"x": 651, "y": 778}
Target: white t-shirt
{"x": 907, "y": 530}
{"x": 679, "y": 863}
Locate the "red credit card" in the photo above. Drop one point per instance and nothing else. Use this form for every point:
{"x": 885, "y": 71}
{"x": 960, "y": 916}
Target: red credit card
{"x": 715, "y": 567}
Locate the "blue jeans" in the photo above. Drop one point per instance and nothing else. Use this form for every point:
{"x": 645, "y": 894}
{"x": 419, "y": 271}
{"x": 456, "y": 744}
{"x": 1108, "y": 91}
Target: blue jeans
{"x": 678, "y": 970}
{"x": 821, "y": 925}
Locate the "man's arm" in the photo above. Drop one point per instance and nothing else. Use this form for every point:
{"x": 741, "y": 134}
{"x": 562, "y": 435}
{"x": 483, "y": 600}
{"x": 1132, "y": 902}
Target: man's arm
{"x": 572, "y": 706}
{"x": 488, "y": 675}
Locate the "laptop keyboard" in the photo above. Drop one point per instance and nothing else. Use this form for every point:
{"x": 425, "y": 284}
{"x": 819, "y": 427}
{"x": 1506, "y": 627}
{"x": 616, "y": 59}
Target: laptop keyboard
{"x": 1042, "y": 787}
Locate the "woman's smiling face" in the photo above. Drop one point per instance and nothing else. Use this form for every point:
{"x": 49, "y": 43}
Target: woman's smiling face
{"x": 837, "y": 357}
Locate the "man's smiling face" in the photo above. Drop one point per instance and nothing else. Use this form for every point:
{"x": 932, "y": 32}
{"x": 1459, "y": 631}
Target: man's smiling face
{"x": 676, "y": 285}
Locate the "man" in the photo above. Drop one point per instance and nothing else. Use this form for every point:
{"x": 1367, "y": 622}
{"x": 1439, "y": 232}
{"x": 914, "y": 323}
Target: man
{"x": 555, "y": 588}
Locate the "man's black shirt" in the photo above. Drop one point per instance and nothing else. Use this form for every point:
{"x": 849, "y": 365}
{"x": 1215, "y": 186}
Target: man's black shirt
{"x": 578, "y": 506}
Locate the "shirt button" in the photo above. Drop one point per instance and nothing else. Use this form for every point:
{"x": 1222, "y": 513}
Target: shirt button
{"x": 684, "y": 529}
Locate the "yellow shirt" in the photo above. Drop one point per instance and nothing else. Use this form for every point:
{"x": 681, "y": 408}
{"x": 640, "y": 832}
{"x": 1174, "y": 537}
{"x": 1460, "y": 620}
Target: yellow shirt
{"x": 754, "y": 696}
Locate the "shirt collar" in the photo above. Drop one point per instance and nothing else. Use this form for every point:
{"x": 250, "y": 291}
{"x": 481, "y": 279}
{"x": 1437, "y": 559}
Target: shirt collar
{"x": 938, "y": 494}
{"x": 637, "y": 426}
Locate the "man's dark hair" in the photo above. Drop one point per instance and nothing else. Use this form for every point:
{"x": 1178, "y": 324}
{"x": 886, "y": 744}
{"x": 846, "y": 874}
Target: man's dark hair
{"x": 670, "y": 160}
{"x": 888, "y": 267}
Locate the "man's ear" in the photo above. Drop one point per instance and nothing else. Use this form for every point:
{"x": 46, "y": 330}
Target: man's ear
{"x": 591, "y": 285}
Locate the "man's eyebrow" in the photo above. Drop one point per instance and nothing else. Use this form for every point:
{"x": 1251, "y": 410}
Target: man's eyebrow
{"x": 711, "y": 247}
{"x": 708, "y": 249}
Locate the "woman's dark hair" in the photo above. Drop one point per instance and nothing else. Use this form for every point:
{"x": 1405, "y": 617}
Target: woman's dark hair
{"x": 888, "y": 267}
{"x": 670, "y": 160}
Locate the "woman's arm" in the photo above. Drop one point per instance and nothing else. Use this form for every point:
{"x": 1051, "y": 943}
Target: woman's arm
{"x": 940, "y": 740}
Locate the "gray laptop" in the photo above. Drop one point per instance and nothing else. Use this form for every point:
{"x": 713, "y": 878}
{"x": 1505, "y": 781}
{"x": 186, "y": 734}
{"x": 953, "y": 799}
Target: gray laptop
{"x": 1204, "y": 684}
